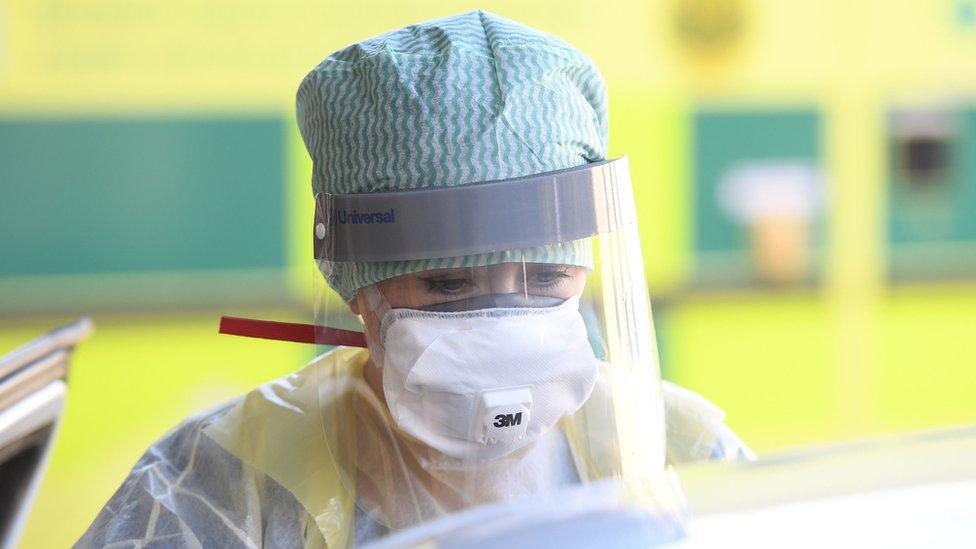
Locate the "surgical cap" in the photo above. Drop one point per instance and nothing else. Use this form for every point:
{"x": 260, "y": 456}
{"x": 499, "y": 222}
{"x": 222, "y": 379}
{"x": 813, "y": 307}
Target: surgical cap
{"x": 468, "y": 98}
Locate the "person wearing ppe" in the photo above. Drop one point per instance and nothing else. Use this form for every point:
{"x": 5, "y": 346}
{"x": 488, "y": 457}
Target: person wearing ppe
{"x": 469, "y": 223}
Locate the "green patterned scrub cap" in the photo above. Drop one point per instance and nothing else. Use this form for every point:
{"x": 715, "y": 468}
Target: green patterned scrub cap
{"x": 454, "y": 101}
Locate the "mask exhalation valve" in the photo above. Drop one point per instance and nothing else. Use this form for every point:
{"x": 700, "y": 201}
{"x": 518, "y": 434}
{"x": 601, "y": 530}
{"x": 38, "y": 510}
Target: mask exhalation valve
{"x": 504, "y": 414}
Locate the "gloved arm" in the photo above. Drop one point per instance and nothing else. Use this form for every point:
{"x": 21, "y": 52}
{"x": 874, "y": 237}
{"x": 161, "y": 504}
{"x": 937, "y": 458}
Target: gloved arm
{"x": 696, "y": 429}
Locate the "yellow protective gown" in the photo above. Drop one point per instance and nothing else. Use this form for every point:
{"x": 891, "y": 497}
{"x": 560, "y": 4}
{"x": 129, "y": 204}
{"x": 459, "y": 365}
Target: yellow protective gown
{"x": 287, "y": 464}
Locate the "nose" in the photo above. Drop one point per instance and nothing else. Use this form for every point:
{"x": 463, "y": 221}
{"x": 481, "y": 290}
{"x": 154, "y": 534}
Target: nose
{"x": 507, "y": 278}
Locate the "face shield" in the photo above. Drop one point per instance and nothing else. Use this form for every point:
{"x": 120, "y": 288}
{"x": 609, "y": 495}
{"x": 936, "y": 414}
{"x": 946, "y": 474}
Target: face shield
{"x": 511, "y": 351}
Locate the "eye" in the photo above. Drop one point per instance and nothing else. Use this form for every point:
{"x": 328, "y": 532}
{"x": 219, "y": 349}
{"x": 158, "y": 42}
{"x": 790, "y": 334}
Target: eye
{"x": 449, "y": 285}
{"x": 549, "y": 278}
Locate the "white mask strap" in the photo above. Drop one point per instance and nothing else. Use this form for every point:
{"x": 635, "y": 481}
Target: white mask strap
{"x": 375, "y": 301}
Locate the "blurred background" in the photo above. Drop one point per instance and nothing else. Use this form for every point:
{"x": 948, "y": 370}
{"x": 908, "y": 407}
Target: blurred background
{"x": 805, "y": 172}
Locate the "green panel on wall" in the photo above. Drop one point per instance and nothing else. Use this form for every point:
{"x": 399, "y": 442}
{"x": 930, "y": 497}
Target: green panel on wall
{"x": 141, "y": 195}
{"x": 932, "y": 176}
{"x": 724, "y": 138}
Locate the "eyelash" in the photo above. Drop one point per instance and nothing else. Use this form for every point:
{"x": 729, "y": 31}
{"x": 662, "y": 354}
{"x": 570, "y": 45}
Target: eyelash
{"x": 558, "y": 278}
{"x": 440, "y": 285}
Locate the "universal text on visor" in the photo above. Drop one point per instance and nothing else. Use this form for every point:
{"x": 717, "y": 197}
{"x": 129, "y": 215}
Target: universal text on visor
{"x": 355, "y": 218}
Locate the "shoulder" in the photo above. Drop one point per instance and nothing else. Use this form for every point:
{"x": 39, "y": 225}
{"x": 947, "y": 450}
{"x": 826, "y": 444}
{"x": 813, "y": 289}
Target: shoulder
{"x": 187, "y": 490}
{"x": 176, "y": 448}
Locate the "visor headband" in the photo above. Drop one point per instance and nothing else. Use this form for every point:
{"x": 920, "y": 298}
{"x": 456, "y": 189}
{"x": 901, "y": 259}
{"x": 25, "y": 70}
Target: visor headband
{"x": 471, "y": 219}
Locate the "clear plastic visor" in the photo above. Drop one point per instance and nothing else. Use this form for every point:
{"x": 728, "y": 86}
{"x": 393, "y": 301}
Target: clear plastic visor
{"x": 497, "y": 376}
